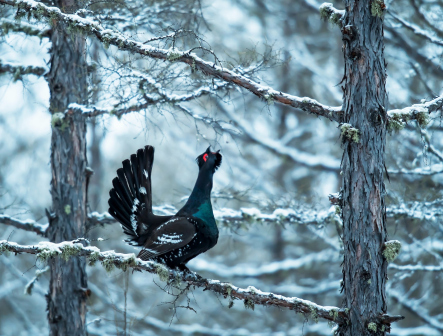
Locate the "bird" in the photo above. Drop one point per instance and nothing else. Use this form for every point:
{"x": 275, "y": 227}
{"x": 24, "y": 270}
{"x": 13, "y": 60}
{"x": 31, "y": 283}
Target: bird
{"x": 170, "y": 240}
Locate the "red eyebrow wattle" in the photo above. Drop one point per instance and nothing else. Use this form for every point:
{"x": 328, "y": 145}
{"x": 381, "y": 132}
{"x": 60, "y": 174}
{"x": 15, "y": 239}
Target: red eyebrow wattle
{"x": 205, "y": 157}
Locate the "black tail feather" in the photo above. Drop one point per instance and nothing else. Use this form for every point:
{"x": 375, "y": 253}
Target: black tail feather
{"x": 131, "y": 192}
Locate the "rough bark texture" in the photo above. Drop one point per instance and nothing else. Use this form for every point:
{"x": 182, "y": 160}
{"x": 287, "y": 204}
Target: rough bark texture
{"x": 364, "y": 211}
{"x": 68, "y": 84}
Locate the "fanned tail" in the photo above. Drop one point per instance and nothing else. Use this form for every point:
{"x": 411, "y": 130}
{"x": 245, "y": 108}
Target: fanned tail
{"x": 132, "y": 196}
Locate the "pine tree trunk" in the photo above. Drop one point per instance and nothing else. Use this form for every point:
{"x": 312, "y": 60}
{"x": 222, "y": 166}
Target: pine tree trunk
{"x": 68, "y": 84}
{"x": 364, "y": 213}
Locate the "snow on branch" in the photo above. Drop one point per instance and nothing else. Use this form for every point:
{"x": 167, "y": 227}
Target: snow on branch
{"x": 27, "y": 225}
{"x": 419, "y": 112}
{"x": 7, "y": 25}
{"x": 431, "y": 211}
{"x": 230, "y": 217}
{"x": 413, "y": 268}
{"x": 417, "y": 30}
{"x": 333, "y": 15}
{"x": 429, "y": 170}
{"x": 110, "y": 259}
{"x": 115, "y": 38}
{"x": 19, "y": 70}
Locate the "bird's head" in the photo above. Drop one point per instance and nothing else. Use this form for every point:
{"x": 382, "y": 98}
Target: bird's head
{"x": 208, "y": 159}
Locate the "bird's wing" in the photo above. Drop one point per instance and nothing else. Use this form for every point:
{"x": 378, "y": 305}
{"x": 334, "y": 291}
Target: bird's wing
{"x": 175, "y": 233}
{"x": 131, "y": 196}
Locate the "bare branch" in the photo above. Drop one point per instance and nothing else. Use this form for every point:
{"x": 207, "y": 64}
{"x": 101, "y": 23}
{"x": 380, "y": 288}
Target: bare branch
{"x": 18, "y": 70}
{"x": 299, "y": 157}
{"x": 109, "y": 259}
{"x": 27, "y": 225}
{"x": 415, "y": 308}
{"x": 417, "y": 30}
{"x": 117, "y": 39}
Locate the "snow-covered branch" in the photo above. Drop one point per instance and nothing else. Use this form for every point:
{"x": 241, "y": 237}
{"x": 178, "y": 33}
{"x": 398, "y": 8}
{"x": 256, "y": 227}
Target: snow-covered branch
{"x": 429, "y": 170}
{"x": 117, "y": 39}
{"x": 432, "y": 211}
{"x": 110, "y": 259}
{"x": 27, "y": 225}
{"x": 7, "y": 25}
{"x": 417, "y": 30}
{"x": 19, "y": 70}
{"x": 413, "y": 268}
{"x": 333, "y": 15}
{"x": 418, "y": 112}
{"x": 230, "y": 217}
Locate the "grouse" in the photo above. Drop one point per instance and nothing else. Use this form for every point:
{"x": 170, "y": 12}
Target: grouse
{"x": 171, "y": 240}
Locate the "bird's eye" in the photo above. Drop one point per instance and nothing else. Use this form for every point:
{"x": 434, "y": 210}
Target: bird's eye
{"x": 205, "y": 157}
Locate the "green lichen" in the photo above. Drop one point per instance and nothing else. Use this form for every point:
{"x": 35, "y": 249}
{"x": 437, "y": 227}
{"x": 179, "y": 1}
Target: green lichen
{"x": 229, "y": 291}
{"x": 70, "y": 250}
{"x": 108, "y": 264}
{"x": 314, "y": 314}
{"x": 395, "y": 125}
{"x": 162, "y": 272}
{"x": 333, "y": 313}
{"x": 46, "y": 254}
{"x": 372, "y": 326}
{"x": 369, "y": 281}
{"x": 337, "y": 210}
{"x": 173, "y": 55}
{"x": 249, "y": 304}
{"x": 58, "y": 120}
{"x": 423, "y": 119}
{"x": 67, "y": 209}
{"x": 93, "y": 258}
{"x": 378, "y": 8}
{"x": 350, "y": 132}
{"x": 269, "y": 97}
{"x": 129, "y": 262}
{"x": 383, "y": 328}
{"x": 3, "y": 249}
{"x": 392, "y": 249}
{"x": 327, "y": 12}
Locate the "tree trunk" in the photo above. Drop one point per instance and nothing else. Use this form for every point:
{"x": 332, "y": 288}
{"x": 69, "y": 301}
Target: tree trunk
{"x": 364, "y": 213}
{"x": 68, "y": 84}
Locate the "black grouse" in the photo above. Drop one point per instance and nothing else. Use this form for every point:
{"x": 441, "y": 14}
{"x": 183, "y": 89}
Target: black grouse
{"x": 171, "y": 240}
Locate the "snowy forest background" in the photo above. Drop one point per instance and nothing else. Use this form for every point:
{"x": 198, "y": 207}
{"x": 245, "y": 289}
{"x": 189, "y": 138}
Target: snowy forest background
{"x": 274, "y": 157}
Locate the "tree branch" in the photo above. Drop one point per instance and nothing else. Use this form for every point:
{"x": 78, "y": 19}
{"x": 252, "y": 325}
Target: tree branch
{"x": 8, "y": 25}
{"x": 110, "y": 259}
{"x": 417, "y": 30}
{"x": 418, "y": 112}
{"x": 18, "y": 70}
{"x": 117, "y": 39}
{"x": 27, "y": 225}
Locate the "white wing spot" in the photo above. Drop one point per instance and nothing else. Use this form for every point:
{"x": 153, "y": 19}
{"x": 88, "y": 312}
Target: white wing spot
{"x": 134, "y": 224}
{"x": 170, "y": 239}
{"x": 145, "y": 173}
{"x": 135, "y": 204}
{"x": 142, "y": 190}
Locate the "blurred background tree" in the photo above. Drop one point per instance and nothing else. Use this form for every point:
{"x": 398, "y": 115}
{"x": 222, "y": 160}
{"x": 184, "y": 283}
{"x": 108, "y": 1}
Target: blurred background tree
{"x": 275, "y": 157}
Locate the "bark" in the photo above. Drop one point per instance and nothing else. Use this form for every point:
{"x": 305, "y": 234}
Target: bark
{"x": 68, "y": 84}
{"x": 363, "y": 208}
